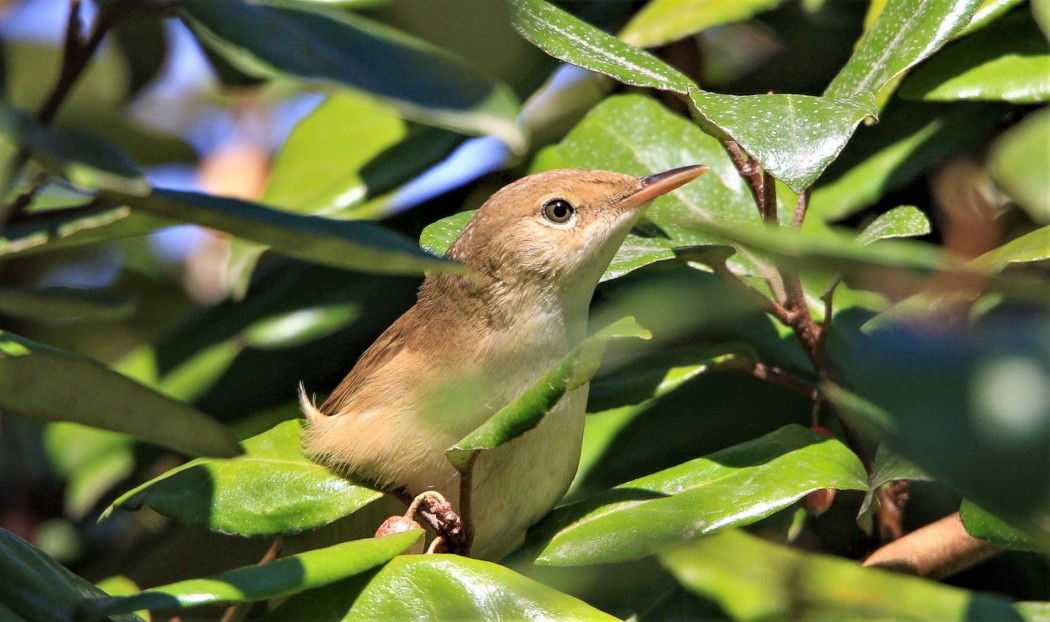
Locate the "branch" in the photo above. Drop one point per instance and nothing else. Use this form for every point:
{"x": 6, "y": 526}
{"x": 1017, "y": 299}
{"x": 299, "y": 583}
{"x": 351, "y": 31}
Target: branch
{"x": 800, "y": 208}
{"x": 769, "y": 199}
{"x": 936, "y": 551}
{"x": 749, "y": 170}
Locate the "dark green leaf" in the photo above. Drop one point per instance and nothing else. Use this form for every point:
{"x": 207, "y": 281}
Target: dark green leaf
{"x": 311, "y": 42}
{"x": 980, "y": 422}
{"x": 909, "y": 139}
{"x": 282, "y": 577}
{"x": 888, "y": 467}
{"x": 143, "y": 43}
{"x": 1018, "y": 162}
{"x": 65, "y": 303}
{"x": 526, "y": 412}
{"x": 663, "y": 21}
{"x": 49, "y": 384}
{"x": 735, "y": 486}
{"x": 436, "y": 587}
{"x": 75, "y": 228}
{"x": 906, "y": 221}
{"x": 906, "y": 32}
{"x": 273, "y": 488}
{"x": 756, "y": 580}
{"x": 1007, "y": 61}
{"x": 353, "y": 245}
{"x": 983, "y": 525}
{"x": 37, "y": 588}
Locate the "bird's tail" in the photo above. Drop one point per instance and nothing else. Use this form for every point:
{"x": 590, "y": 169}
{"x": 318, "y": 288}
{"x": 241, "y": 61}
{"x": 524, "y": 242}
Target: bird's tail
{"x": 312, "y": 412}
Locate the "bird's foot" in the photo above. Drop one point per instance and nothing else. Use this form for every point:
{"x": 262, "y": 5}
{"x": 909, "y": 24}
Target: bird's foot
{"x": 449, "y": 528}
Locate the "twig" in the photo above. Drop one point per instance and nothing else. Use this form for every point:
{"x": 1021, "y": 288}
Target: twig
{"x": 800, "y": 208}
{"x": 892, "y": 499}
{"x": 768, "y": 373}
{"x": 749, "y": 170}
{"x": 238, "y": 611}
{"x": 769, "y": 198}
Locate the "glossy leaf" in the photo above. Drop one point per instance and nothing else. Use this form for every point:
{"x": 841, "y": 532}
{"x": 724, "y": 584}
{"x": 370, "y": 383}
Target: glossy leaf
{"x": 273, "y": 488}
{"x": 664, "y": 21}
{"x": 794, "y": 137}
{"x": 984, "y": 525}
{"x": 353, "y": 245}
{"x": 527, "y": 410}
{"x": 436, "y": 587}
{"x": 988, "y": 12}
{"x": 735, "y": 486}
{"x": 42, "y": 382}
{"x": 906, "y": 221}
{"x": 1007, "y": 61}
{"x": 36, "y": 588}
{"x": 905, "y": 33}
{"x": 342, "y": 49}
{"x": 909, "y": 139}
{"x": 65, "y": 304}
{"x": 350, "y": 149}
{"x": 1018, "y": 162}
{"x": 275, "y": 579}
{"x": 752, "y": 579}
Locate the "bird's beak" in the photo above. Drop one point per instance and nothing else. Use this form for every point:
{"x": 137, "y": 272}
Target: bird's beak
{"x": 659, "y": 184}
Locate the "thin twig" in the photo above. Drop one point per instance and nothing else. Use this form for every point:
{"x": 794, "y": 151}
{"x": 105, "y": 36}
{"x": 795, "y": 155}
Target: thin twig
{"x": 768, "y": 373}
{"x": 749, "y": 170}
{"x": 800, "y": 208}
{"x": 769, "y": 198}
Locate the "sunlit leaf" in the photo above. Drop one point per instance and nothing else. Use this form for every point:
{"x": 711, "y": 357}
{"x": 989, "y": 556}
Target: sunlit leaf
{"x": 282, "y": 577}
{"x": 984, "y": 525}
{"x": 1018, "y": 162}
{"x": 735, "y": 486}
{"x": 906, "y": 221}
{"x": 273, "y": 488}
{"x": 663, "y": 21}
{"x": 436, "y": 587}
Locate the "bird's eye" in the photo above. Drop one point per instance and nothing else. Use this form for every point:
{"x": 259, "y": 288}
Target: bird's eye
{"x": 558, "y": 211}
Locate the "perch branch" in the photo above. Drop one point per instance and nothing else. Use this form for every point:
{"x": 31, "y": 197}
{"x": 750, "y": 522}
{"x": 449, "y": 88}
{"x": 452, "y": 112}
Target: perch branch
{"x": 936, "y": 551}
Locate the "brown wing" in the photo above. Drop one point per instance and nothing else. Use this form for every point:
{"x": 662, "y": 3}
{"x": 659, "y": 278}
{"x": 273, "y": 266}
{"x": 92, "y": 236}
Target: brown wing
{"x": 385, "y": 348}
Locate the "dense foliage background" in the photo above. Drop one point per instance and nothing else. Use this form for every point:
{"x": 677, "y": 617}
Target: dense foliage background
{"x": 208, "y": 201}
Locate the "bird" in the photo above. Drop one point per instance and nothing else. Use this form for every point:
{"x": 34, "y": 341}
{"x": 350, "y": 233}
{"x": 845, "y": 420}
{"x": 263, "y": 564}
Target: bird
{"x": 475, "y": 340}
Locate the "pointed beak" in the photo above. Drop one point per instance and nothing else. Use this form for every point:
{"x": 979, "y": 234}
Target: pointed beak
{"x": 659, "y": 184}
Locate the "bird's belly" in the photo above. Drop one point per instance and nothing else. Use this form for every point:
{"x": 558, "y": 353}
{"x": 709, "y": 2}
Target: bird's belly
{"x": 516, "y": 484}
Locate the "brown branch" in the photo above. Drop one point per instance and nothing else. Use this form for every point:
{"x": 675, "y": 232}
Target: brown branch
{"x": 936, "y": 551}
{"x": 893, "y": 497}
{"x": 749, "y": 170}
{"x": 769, "y": 198}
{"x": 768, "y": 373}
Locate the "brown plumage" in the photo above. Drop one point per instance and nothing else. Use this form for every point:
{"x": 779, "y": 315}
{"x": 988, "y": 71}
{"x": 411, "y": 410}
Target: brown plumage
{"x": 473, "y": 342}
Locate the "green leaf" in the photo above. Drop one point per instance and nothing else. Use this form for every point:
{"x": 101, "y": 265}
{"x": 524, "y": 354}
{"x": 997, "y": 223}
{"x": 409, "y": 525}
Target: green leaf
{"x": 735, "y": 486}
{"x": 273, "y": 488}
{"x": 977, "y": 422}
{"x": 350, "y": 149}
{"x": 905, "y": 33}
{"x": 793, "y": 137}
{"x": 1032, "y": 246}
{"x": 566, "y": 38}
{"x": 436, "y": 587}
{"x": 909, "y": 139}
{"x": 352, "y": 245}
{"x": 65, "y": 304}
{"x": 37, "y": 588}
{"x": 276, "y": 579}
{"x": 75, "y": 228}
{"x": 906, "y": 221}
{"x": 1018, "y": 162}
{"x": 752, "y": 579}
{"x": 527, "y": 410}
{"x": 664, "y": 21}
{"x": 984, "y": 525}
{"x": 42, "y": 382}
{"x": 342, "y": 49}
{"x": 83, "y": 159}
{"x": 1007, "y": 61}
{"x": 888, "y": 467}
{"x": 638, "y": 136}
{"x": 143, "y": 44}
{"x": 91, "y": 462}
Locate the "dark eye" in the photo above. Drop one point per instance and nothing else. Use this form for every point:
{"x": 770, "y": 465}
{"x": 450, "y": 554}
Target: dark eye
{"x": 558, "y": 211}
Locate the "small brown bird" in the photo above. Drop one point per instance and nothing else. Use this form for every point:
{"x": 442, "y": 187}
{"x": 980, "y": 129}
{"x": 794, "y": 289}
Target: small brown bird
{"x": 473, "y": 342}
